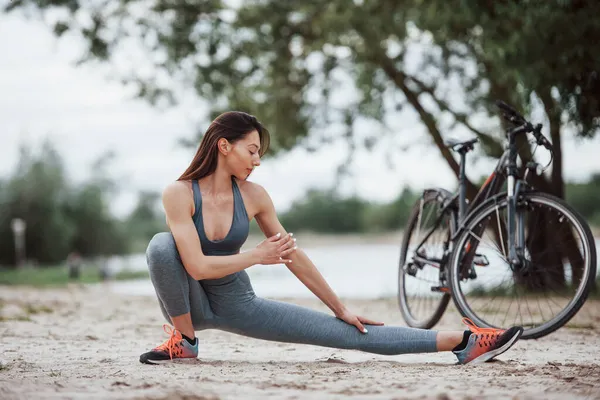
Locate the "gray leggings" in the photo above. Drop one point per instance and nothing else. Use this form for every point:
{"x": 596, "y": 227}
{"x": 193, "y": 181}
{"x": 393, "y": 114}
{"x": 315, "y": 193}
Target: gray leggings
{"x": 229, "y": 304}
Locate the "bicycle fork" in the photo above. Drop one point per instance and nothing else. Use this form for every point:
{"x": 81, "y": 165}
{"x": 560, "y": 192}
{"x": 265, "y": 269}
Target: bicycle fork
{"x": 516, "y": 225}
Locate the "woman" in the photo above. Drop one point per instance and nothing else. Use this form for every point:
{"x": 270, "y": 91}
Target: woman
{"x": 198, "y": 271}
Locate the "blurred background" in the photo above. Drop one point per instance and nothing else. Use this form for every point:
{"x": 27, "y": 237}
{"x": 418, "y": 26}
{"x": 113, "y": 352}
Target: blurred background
{"x": 103, "y": 103}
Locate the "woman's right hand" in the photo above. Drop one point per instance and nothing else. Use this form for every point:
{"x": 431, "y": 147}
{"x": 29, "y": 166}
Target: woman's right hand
{"x": 275, "y": 249}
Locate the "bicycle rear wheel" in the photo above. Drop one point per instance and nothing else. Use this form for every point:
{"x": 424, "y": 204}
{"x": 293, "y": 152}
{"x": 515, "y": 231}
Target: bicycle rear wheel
{"x": 421, "y": 296}
{"x": 557, "y": 270}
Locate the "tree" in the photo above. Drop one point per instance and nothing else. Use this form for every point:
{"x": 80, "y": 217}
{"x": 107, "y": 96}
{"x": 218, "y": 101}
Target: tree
{"x": 325, "y": 211}
{"x": 527, "y": 48}
{"x": 60, "y": 217}
{"x": 98, "y": 233}
{"x": 36, "y": 193}
{"x": 286, "y": 61}
{"x": 585, "y": 198}
{"x": 145, "y": 220}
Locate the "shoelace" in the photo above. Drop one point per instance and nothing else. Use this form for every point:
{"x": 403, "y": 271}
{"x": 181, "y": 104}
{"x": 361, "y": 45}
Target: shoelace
{"x": 484, "y": 333}
{"x": 171, "y": 343}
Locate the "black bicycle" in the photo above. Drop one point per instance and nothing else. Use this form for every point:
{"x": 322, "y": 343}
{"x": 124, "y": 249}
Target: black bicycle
{"x": 513, "y": 256}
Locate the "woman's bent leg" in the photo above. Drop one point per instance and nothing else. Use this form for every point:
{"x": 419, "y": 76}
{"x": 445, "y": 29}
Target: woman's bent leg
{"x": 284, "y": 322}
{"x": 177, "y": 291}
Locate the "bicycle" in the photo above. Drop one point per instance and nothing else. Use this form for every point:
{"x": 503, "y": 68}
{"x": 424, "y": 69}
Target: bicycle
{"x": 562, "y": 264}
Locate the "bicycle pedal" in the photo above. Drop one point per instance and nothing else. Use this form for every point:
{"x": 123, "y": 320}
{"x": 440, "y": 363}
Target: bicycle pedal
{"x": 480, "y": 260}
{"x": 440, "y": 289}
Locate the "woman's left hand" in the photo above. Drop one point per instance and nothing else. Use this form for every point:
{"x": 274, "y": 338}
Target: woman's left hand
{"x": 356, "y": 320}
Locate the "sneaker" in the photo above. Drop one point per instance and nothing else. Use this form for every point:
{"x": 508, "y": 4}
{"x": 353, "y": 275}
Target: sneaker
{"x": 486, "y": 343}
{"x": 176, "y": 347}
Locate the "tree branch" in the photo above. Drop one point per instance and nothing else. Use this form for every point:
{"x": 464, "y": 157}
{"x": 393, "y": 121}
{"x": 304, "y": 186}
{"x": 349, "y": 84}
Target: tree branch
{"x": 494, "y": 148}
{"x": 399, "y": 79}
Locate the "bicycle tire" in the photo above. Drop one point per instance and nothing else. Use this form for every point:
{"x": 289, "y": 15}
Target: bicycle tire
{"x": 577, "y": 222}
{"x": 432, "y": 195}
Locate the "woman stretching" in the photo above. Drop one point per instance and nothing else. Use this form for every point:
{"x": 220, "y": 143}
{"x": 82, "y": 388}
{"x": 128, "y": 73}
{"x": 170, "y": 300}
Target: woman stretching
{"x": 198, "y": 271}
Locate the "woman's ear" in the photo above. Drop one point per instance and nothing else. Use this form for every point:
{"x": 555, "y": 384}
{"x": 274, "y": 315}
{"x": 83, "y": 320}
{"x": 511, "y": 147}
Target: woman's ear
{"x": 224, "y": 146}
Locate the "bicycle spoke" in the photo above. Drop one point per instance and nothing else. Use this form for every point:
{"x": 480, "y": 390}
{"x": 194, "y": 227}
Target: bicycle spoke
{"x": 500, "y": 232}
{"x": 538, "y": 291}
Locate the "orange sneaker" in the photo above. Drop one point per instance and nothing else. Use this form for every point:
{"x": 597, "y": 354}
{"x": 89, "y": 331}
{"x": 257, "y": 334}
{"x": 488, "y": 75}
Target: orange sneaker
{"x": 486, "y": 343}
{"x": 176, "y": 347}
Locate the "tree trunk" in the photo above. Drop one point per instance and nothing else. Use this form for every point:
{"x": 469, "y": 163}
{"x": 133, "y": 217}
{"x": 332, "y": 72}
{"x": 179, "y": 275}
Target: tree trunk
{"x": 553, "y": 112}
{"x": 546, "y": 271}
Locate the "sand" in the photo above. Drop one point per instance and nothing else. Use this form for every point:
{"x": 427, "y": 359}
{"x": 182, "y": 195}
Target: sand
{"x": 84, "y": 343}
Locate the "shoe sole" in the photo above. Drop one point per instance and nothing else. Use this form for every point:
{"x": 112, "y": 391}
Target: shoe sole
{"x": 496, "y": 352}
{"x": 173, "y": 361}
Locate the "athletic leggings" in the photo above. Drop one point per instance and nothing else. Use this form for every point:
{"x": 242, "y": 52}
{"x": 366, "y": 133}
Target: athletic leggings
{"x": 229, "y": 304}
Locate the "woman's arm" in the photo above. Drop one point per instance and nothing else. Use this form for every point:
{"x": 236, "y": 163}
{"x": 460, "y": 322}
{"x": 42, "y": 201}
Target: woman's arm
{"x": 178, "y": 208}
{"x": 302, "y": 267}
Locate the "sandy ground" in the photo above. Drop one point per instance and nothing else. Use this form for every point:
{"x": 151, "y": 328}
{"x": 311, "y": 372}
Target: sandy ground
{"x": 83, "y": 342}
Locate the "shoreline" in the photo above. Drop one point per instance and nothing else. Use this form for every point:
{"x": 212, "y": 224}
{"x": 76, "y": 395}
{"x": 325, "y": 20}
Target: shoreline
{"x": 310, "y": 239}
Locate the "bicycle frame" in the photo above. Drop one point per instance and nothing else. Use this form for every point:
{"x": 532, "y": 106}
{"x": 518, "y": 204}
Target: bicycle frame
{"x": 506, "y": 170}
{"x": 490, "y": 187}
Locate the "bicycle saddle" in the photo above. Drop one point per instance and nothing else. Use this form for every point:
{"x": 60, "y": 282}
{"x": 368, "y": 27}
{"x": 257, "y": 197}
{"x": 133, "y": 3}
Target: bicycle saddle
{"x": 461, "y": 145}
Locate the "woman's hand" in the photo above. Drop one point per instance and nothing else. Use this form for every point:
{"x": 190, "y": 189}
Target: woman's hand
{"x": 356, "y": 320}
{"x": 275, "y": 249}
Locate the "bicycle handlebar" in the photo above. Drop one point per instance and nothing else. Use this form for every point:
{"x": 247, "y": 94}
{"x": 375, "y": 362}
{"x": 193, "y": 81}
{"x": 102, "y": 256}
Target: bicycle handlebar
{"x": 524, "y": 126}
{"x": 510, "y": 114}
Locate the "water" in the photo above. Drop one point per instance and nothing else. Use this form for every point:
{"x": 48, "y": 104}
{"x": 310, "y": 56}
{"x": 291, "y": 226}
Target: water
{"x": 353, "y": 271}
{"x": 358, "y": 271}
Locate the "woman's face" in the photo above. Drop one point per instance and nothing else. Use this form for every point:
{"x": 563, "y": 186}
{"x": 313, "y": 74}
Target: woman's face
{"x": 244, "y": 156}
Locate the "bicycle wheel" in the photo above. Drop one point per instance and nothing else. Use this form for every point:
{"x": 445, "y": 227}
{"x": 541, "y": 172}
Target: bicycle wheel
{"x": 421, "y": 285}
{"x": 557, "y": 270}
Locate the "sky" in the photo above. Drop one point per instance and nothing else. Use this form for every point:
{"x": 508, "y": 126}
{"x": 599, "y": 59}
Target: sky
{"x": 85, "y": 113}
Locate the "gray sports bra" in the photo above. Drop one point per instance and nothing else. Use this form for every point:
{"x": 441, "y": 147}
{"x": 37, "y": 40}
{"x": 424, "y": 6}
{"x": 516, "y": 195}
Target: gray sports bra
{"x": 238, "y": 233}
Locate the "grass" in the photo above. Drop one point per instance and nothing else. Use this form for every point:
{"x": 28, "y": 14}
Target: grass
{"x": 58, "y": 276}
{"x": 22, "y": 318}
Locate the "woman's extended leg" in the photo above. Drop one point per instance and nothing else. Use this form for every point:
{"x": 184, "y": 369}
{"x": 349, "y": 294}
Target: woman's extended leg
{"x": 284, "y": 322}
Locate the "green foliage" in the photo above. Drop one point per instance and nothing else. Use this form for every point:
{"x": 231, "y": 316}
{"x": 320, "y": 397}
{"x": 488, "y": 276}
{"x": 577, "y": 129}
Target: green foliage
{"x": 392, "y": 216}
{"x": 144, "y": 221}
{"x": 62, "y": 217}
{"x": 527, "y": 47}
{"x": 328, "y": 212}
{"x": 585, "y": 198}
{"x": 97, "y": 231}
{"x": 324, "y": 211}
{"x": 37, "y": 193}
{"x": 286, "y": 61}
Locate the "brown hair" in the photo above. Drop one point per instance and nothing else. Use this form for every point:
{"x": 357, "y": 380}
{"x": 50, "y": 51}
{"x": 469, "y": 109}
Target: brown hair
{"x": 233, "y": 126}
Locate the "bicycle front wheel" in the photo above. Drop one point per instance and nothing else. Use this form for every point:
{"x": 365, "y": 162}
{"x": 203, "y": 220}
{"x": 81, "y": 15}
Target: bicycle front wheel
{"x": 550, "y": 283}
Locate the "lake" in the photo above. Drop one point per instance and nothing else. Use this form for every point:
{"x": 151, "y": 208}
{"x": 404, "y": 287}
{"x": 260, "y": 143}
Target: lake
{"x": 353, "y": 271}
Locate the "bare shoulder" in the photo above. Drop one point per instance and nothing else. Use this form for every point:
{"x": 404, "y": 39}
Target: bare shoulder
{"x": 178, "y": 194}
{"x": 251, "y": 188}
{"x": 255, "y": 193}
